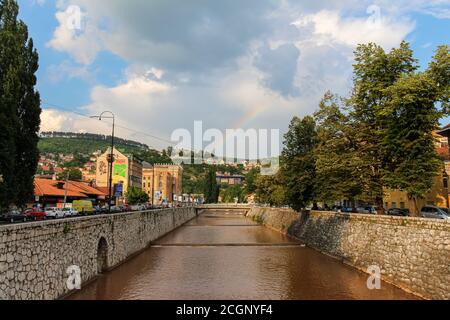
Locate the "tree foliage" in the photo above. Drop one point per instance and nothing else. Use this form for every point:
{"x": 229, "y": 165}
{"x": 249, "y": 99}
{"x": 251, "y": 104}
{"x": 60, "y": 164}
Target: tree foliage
{"x": 338, "y": 166}
{"x": 19, "y": 108}
{"x": 298, "y": 171}
{"x": 136, "y": 196}
{"x": 72, "y": 173}
{"x": 270, "y": 190}
{"x": 212, "y": 189}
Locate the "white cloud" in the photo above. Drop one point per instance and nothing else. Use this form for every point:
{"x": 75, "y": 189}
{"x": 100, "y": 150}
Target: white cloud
{"x": 331, "y": 26}
{"x": 82, "y": 44}
{"x": 228, "y": 63}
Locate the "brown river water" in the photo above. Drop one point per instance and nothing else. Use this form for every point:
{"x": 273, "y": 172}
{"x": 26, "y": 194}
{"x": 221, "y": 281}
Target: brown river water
{"x": 228, "y": 257}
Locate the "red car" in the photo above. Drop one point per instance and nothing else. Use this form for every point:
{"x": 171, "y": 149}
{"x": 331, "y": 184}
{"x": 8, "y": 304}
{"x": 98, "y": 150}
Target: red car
{"x": 35, "y": 214}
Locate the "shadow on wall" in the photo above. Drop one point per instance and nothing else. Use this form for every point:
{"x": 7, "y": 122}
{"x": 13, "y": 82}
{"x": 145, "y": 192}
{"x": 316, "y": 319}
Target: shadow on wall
{"x": 321, "y": 233}
{"x": 102, "y": 255}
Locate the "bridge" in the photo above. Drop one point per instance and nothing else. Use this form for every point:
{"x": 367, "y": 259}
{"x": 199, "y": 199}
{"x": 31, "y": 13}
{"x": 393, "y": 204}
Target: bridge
{"x": 225, "y": 252}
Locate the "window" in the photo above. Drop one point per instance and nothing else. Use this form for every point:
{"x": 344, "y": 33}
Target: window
{"x": 394, "y": 205}
{"x": 402, "y": 205}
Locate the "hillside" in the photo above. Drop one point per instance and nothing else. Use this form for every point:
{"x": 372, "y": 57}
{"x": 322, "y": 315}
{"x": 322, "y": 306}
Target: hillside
{"x": 80, "y": 146}
{"x": 85, "y": 144}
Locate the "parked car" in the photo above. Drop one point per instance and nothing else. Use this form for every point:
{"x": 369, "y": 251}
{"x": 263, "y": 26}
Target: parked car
{"x": 100, "y": 210}
{"x": 35, "y": 214}
{"x": 138, "y": 207}
{"x": 70, "y": 212}
{"x": 125, "y": 208}
{"x": 54, "y": 213}
{"x": 83, "y": 207}
{"x": 116, "y": 209}
{"x": 433, "y": 212}
{"x": 13, "y": 216}
{"x": 398, "y": 212}
{"x": 367, "y": 210}
{"x": 446, "y": 210}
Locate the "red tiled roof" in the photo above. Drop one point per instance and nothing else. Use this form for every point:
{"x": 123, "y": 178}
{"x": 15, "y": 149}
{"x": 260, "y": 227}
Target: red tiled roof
{"x": 87, "y": 189}
{"x": 105, "y": 190}
{"x": 47, "y": 187}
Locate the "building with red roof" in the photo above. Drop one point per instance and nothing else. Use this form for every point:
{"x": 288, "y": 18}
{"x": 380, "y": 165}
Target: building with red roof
{"x": 51, "y": 193}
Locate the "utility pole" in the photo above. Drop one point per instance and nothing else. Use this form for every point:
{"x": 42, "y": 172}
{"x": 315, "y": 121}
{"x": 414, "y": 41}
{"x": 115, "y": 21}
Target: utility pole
{"x": 153, "y": 186}
{"x": 111, "y": 156}
{"x": 67, "y": 188}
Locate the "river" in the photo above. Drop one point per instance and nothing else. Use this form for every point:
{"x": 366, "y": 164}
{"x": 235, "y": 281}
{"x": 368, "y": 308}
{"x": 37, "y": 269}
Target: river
{"x": 218, "y": 256}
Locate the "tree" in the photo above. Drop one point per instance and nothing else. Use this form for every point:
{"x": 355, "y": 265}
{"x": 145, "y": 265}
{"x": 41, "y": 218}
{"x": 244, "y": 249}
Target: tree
{"x": 411, "y": 115}
{"x": 250, "y": 181}
{"x": 19, "y": 108}
{"x": 439, "y": 72}
{"x": 212, "y": 189}
{"x": 73, "y": 173}
{"x": 270, "y": 190}
{"x": 298, "y": 169}
{"x": 374, "y": 72}
{"x": 232, "y": 193}
{"x": 136, "y": 196}
{"x": 337, "y": 162}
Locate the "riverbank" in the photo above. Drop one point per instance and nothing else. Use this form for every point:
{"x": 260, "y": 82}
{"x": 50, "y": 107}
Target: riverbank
{"x": 412, "y": 253}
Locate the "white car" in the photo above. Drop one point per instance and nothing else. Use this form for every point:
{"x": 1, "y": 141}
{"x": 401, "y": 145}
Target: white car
{"x": 54, "y": 213}
{"x": 70, "y": 212}
{"x": 432, "y": 212}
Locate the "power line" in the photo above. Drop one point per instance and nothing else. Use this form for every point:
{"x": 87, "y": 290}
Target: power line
{"x": 117, "y": 125}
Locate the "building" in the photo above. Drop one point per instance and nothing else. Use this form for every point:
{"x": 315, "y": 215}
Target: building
{"x": 229, "y": 179}
{"x": 127, "y": 172}
{"x": 162, "y": 182}
{"x": 51, "y": 193}
{"x": 439, "y": 195}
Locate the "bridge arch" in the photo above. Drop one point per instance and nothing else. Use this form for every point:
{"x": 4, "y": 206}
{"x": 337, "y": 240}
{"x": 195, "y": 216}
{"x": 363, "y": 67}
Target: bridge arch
{"x": 102, "y": 255}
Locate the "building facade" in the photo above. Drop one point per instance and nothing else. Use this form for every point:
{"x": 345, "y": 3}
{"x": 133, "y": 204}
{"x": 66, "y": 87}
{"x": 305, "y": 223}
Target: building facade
{"x": 162, "y": 182}
{"x": 229, "y": 179}
{"x": 127, "y": 172}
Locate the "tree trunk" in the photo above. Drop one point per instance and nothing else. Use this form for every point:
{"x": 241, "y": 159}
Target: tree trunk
{"x": 413, "y": 207}
{"x": 380, "y": 206}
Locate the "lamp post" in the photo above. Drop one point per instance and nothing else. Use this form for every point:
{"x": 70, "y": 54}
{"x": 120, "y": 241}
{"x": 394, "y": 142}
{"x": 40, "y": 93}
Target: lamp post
{"x": 111, "y": 156}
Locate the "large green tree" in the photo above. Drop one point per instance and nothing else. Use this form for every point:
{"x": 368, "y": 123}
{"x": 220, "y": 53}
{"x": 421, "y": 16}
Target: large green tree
{"x": 298, "y": 168}
{"x": 19, "y": 108}
{"x": 414, "y": 105}
{"x": 374, "y": 72}
{"x": 338, "y": 166}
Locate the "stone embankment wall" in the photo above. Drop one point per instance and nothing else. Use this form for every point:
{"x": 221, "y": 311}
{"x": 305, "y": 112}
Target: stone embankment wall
{"x": 413, "y": 253}
{"x": 34, "y": 257}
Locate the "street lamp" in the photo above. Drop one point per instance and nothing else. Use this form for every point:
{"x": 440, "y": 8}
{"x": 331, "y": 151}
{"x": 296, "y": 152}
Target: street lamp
{"x": 111, "y": 156}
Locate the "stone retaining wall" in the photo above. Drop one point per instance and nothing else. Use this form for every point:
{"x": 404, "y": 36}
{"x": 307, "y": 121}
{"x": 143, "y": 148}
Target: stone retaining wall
{"x": 413, "y": 253}
{"x": 34, "y": 257}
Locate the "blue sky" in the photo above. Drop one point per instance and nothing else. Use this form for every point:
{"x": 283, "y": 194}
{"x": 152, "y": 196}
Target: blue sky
{"x": 161, "y": 65}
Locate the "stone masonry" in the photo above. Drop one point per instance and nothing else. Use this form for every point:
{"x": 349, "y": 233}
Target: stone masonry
{"x": 413, "y": 253}
{"x": 34, "y": 257}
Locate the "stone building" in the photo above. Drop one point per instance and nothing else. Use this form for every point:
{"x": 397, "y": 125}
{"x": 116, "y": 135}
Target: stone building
{"x": 162, "y": 182}
{"x": 127, "y": 172}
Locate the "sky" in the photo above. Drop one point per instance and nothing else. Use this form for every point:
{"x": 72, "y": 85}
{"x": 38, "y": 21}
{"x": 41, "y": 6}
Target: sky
{"x": 160, "y": 65}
